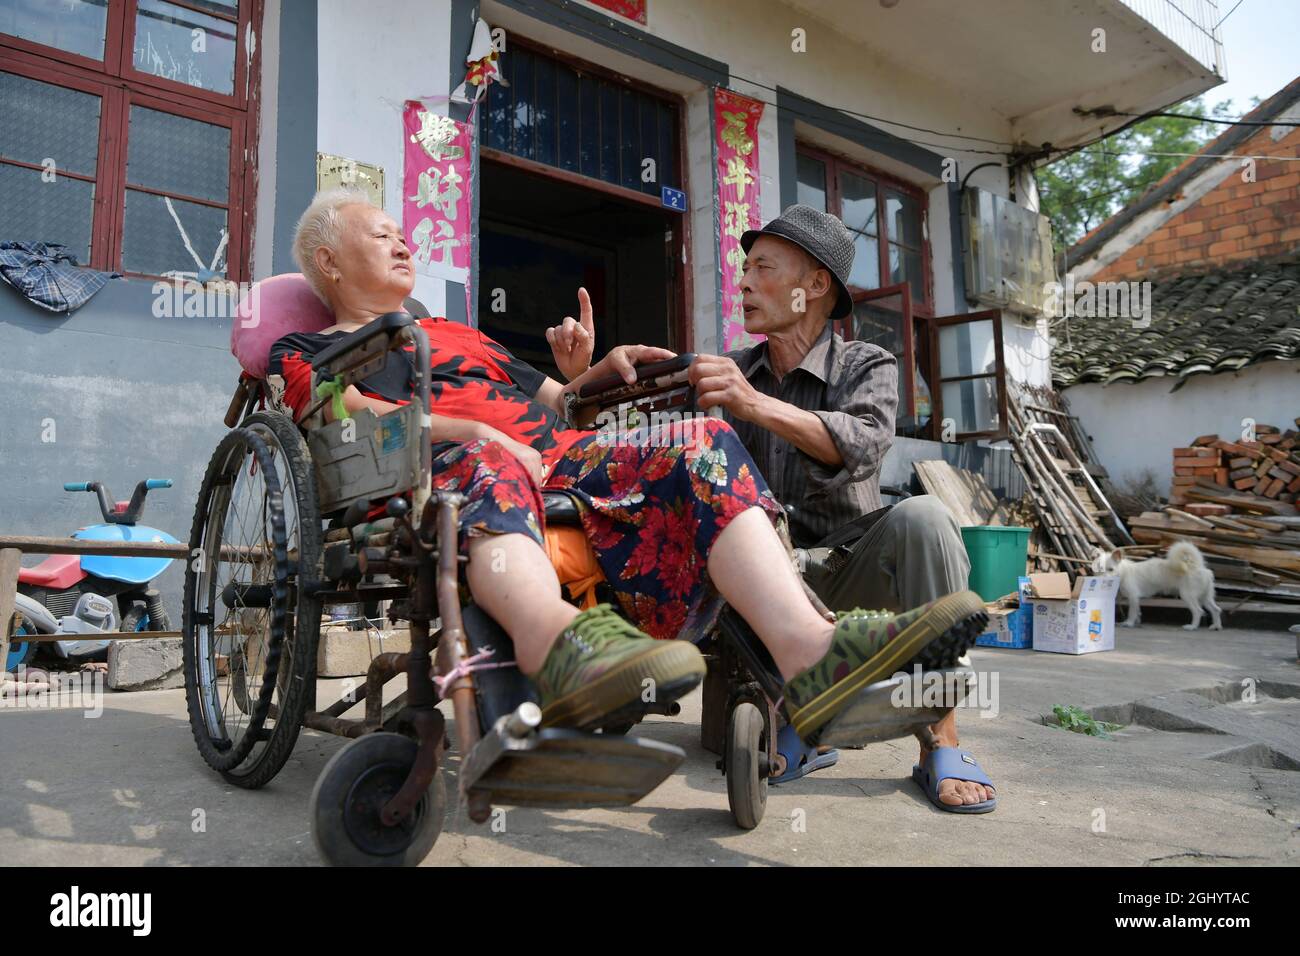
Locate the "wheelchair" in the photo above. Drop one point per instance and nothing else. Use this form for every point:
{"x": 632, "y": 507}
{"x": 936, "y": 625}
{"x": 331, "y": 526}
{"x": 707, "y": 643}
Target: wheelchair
{"x": 292, "y": 519}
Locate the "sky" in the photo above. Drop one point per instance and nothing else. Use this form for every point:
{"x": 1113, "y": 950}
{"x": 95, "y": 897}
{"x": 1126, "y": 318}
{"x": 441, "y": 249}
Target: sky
{"x": 1261, "y": 43}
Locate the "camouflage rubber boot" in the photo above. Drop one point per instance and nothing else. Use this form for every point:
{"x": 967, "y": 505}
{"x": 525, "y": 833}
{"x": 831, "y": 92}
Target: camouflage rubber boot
{"x": 870, "y": 646}
{"x": 602, "y": 670}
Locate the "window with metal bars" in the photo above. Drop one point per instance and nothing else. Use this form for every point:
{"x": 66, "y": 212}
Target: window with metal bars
{"x": 567, "y": 116}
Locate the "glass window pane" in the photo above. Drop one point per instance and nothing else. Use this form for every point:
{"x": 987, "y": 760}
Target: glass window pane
{"x": 629, "y": 143}
{"x": 967, "y": 349}
{"x": 566, "y": 94}
{"x": 178, "y": 44}
{"x": 589, "y": 134}
{"x": 649, "y": 144}
{"x": 879, "y": 322}
{"x": 905, "y": 266}
{"x": 972, "y": 404}
{"x": 499, "y": 106}
{"x": 40, "y": 121}
{"x": 921, "y": 373}
{"x": 544, "y": 117}
{"x": 523, "y": 118}
{"x": 153, "y": 243}
{"x": 865, "y": 273}
{"x": 37, "y": 211}
{"x": 903, "y": 218}
{"x": 228, "y": 8}
{"x": 858, "y": 199}
{"x": 608, "y": 132}
{"x": 668, "y": 146}
{"x": 811, "y": 176}
{"x": 178, "y": 155}
{"x": 76, "y": 26}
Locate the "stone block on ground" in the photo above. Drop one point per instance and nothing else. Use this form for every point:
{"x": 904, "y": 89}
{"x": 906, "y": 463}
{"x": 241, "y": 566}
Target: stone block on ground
{"x": 153, "y": 664}
{"x": 345, "y": 653}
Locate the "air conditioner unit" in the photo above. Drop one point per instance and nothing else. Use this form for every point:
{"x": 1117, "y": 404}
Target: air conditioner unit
{"x": 1008, "y": 253}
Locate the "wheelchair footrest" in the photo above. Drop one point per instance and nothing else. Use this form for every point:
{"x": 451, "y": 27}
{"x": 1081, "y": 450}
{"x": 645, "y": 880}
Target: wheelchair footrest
{"x": 566, "y": 768}
{"x": 898, "y": 707}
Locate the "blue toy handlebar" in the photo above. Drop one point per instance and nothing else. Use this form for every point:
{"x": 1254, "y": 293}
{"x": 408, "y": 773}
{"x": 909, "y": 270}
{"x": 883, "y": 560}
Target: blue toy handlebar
{"x": 152, "y": 483}
{"x": 76, "y": 486}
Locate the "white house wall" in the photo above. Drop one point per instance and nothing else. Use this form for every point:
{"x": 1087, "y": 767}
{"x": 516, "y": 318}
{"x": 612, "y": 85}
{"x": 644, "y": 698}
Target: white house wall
{"x": 754, "y": 40}
{"x": 1136, "y": 427}
{"x": 373, "y": 56}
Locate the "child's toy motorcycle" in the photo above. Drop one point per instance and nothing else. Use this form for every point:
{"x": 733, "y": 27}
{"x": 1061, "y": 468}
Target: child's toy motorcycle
{"x": 85, "y": 595}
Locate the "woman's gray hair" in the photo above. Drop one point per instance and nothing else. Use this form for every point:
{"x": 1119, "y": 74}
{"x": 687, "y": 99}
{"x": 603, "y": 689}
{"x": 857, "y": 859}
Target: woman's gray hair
{"x": 321, "y": 225}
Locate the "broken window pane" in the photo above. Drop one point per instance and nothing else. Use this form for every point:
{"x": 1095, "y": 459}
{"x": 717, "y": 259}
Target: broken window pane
{"x": 179, "y": 44}
{"x": 162, "y": 236}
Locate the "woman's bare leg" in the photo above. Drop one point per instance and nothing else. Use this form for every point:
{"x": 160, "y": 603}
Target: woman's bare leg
{"x": 752, "y": 570}
{"x": 512, "y": 579}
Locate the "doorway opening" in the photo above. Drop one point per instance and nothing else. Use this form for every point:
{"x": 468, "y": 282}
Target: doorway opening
{"x": 540, "y": 239}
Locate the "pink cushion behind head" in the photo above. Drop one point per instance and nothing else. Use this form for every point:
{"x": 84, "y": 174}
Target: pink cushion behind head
{"x": 272, "y": 309}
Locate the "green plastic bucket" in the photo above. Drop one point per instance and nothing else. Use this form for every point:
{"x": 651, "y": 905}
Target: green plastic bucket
{"x": 997, "y": 559}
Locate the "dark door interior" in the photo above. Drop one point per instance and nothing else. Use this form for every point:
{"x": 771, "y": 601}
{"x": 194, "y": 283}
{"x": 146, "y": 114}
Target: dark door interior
{"x": 541, "y": 238}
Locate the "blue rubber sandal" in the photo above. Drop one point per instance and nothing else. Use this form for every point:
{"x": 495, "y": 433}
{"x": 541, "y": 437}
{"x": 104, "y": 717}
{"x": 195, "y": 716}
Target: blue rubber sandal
{"x": 945, "y": 763}
{"x": 800, "y": 759}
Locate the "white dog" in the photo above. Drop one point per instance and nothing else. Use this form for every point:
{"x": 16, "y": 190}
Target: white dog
{"x": 1183, "y": 573}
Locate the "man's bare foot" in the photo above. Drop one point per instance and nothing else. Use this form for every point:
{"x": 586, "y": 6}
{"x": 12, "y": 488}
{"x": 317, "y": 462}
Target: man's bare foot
{"x": 954, "y": 793}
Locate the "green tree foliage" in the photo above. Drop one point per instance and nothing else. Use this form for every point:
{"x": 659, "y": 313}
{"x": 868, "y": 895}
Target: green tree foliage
{"x": 1080, "y": 191}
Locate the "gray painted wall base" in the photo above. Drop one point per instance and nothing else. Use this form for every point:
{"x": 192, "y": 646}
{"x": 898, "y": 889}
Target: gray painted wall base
{"x": 124, "y": 396}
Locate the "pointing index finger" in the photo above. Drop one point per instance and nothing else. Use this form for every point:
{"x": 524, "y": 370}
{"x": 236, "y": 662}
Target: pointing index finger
{"x": 584, "y": 311}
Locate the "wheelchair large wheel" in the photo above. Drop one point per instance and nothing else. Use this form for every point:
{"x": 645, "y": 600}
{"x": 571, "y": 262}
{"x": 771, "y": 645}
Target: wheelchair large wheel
{"x": 746, "y": 763}
{"x": 352, "y": 790}
{"x": 250, "y": 631}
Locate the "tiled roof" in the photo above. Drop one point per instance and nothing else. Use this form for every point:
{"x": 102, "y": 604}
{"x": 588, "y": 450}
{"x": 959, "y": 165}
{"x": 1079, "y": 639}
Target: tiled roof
{"x": 1216, "y": 321}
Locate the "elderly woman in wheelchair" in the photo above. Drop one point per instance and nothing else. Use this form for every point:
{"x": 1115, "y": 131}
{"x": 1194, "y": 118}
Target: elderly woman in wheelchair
{"x": 678, "y": 517}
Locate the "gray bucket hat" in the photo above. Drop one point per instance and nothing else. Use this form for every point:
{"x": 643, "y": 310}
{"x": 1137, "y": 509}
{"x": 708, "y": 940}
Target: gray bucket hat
{"x": 823, "y": 237}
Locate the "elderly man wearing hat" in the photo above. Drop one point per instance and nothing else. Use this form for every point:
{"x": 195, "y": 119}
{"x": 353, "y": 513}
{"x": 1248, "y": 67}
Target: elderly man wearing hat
{"x": 816, "y": 413}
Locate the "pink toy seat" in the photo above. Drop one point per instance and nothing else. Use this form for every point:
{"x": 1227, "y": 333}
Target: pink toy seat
{"x": 58, "y": 571}
{"x": 272, "y": 309}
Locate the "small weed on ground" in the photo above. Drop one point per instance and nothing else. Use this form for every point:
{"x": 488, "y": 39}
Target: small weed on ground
{"x": 1072, "y": 718}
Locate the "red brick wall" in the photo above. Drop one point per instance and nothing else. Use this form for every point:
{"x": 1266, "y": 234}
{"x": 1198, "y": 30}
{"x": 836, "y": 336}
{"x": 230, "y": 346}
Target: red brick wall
{"x": 1233, "y": 221}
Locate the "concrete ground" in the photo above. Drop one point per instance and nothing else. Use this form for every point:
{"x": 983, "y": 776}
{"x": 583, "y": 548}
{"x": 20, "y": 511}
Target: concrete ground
{"x": 129, "y": 788}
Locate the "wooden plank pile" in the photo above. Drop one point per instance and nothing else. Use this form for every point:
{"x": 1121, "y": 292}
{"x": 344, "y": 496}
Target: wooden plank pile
{"x": 1266, "y": 467}
{"x": 966, "y": 493}
{"x": 1247, "y": 552}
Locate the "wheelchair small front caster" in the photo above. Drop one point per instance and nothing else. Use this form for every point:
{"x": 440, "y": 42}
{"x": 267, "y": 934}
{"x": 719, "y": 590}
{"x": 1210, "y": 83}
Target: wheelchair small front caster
{"x": 746, "y": 764}
{"x": 352, "y": 790}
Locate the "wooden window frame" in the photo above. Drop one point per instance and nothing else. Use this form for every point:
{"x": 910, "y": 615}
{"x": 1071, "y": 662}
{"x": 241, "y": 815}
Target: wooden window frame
{"x": 119, "y": 86}
{"x": 835, "y": 164}
{"x": 999, "y": 374}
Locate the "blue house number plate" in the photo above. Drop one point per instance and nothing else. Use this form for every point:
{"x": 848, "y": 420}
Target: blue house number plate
{"x": 673, "y": 198}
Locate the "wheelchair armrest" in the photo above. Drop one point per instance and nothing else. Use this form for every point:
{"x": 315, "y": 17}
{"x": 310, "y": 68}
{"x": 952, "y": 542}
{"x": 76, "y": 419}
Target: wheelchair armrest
{"x": 653, "y": 381}
{"x": 387, "y": 325}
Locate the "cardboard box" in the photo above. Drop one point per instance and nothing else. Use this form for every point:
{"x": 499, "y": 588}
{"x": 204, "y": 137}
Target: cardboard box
{"x": 1011, "y": 627}
{"x": 1074, "y": 621}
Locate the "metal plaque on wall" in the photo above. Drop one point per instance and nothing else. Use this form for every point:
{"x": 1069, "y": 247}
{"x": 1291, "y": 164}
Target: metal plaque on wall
{"x": 335, "y": 171}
